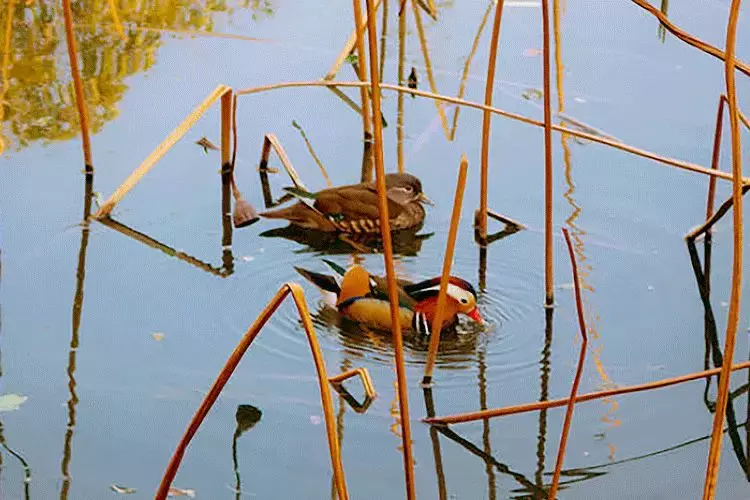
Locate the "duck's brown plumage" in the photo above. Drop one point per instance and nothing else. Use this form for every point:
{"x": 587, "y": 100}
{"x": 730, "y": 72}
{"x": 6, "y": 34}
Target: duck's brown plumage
{"x": 354, "y": 208}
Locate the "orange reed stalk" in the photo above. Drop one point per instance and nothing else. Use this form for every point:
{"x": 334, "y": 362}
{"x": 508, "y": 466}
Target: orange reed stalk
{"x": 714, "y": 454}
{"x": 487, "y": 116}
{"x": 579, "y": 370}
{"x": 548, "y": 255}
{"x": 226, "y": 372}
{"x": 437, "y": 322}
{"x": 684, "y": 165}
{"x": 362, "y": 75}
{"x": 715, "y": 158}
{"x": 461, "y": 418}
{"x": 400, "y": 105}
{"x": 385, "y": 229}
{"x": 687, "y": 37}
{"x": 77, "y": 84}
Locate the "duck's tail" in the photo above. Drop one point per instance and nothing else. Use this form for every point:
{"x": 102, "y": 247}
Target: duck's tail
{"x": 329, "y": 287}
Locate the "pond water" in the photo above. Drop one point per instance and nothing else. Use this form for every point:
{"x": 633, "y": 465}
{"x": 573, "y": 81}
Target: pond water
{"x": 108, "y": 399}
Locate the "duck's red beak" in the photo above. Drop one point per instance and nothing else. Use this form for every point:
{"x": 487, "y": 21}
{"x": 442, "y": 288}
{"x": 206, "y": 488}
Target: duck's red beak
{"x": 474, "y": 314}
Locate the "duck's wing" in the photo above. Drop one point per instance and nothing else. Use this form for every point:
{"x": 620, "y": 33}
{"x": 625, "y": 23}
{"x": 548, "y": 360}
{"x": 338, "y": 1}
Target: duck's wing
{"x": 357, "y": 204}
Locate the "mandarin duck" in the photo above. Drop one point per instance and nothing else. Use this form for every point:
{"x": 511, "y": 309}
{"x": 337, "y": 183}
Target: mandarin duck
{"x": 354, "y": 208}
{"x": 363, "y": 298}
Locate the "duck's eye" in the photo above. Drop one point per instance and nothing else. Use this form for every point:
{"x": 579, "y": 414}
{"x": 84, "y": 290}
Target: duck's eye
{"x": 409, "y": 189}
{"x": 464, "y": 301}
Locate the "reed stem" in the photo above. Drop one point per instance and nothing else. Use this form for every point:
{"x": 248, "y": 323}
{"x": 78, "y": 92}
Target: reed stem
{"x": 366, "y": 175}
{"x": 400, "y": 115}
{"x": 487, "y": 116}
{"x": 549, "y": 285}
{"x": 437, "y": 322}
{"x": 385, "y": 229}
{"x": 714, "y": 454}
{"x": 579, "y": 370}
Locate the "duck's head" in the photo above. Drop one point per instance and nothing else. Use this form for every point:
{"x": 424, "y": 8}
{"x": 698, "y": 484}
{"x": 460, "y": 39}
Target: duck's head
{"x": 465, "y": 296}
{"x": 405, "y": 188}
{"x": 355, "y": 283}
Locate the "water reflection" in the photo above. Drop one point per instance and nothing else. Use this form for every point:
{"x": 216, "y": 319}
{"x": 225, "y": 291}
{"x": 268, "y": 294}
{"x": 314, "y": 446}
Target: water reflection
{"x": 74, "y": 338}
{"x": 227, "y": 258}
{"x": 3, "y": 443}
{"x": 39, "y": 103}
{"x": 246, "y": 416}
{"x": 713, "y": 351}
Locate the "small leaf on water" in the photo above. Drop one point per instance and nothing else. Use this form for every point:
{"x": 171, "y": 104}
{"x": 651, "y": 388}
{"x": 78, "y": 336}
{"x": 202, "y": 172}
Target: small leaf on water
{"x": 122, "y": 490}
{"x": 158, "y": 336}
{"x": 352, "y": 58}
{"x": 11, "y": 402}
{"x": 599, "y": 436}
{"x": 532, "y": 94}
{"x": 179, "y": 492}
{"x": 206, "y": 145}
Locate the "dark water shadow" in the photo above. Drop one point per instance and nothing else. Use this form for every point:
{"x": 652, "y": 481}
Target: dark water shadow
{"x": 247, "y": 416}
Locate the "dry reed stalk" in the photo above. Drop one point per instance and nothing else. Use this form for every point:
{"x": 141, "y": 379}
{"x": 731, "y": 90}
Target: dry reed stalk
{"x": 226, "y": 372}
{"x": 385, "y": 229}
{"x": 684, "y": 165}
{"x": 315, "y": 158}
{"x": 486, "y": 117}
{"x": 157, "y": 245}
{"x": 270, "y": 141}
{"x": 687, "y": 37}
{"x": 226, "y": 129}
{"x": 715, "y": 155}
{"x": 554, "y": 403}
{"x": 437, "y": 322}
{"x": 433, "y": 8}
{"x": 400, "y": 113}
{"x": 733, "y": 316}
{"x": 428, "y": 66}
{"x": 363, "y": 375}
{"x": 349, "y": 46}
{"x": 383, "y": 36}
{"x": 715, "y": 217}
{"x": 174, "y": 136}
{"x": 116, "y": 19}
{"x": 549, "y": 285}
{"x": 244, "y": 213}
{"x": 366, "y": 175}
{"x": 579, "y": 370}
{"x": 505, "y": 219}
{"x": 77, "y": 84}
{"x": 467, "y": 65}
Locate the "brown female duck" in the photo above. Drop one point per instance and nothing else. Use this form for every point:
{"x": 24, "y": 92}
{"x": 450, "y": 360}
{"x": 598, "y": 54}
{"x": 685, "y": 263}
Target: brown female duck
{"x": 354, "y": 208}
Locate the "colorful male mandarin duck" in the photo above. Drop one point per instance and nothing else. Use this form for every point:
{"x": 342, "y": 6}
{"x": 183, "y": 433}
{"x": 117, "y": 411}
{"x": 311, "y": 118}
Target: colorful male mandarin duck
{"x": 354, "y": 208}
{"x": 361, "y": 297}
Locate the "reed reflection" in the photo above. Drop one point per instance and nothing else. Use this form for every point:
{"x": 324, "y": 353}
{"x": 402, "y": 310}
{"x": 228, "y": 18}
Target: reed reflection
{"x": 713, "y": 351}
{"x": 247, "y": 416}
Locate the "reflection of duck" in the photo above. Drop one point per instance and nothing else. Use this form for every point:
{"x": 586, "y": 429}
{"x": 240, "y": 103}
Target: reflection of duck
{"x": 404, "y": 242}
{"x": 363, "y": 298}
{"x": 354, "y": 208}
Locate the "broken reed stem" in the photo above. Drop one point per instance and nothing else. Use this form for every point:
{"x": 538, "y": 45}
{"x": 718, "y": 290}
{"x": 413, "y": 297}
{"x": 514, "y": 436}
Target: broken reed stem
{"x": 383, "y": 35}
{"x": 363, "y": 375}
{"x": 77, "y": 84}
{"x": 723, "y": 209}
{"x": 579, "y": 369}
{"x": 116, "y": 19}
{"x": 467, "y": 65}
{"x": 715, "y": 155}
{"x": 549, "y": 284}
{"x": 461, "y": 418}
{"x": 428, "y": 66}
{"x": 366, "y": 175}
{"x": 229, "y": 367}
{"x": 348, "y": 47}
{"x": 226, "y": 129}
{"x": 160, "y": 151}
{"x": 385, "y": 229}
{"x": 487, "y": 116}
{"x": 733, "y": 317}
{"x": 691, "y": 167}
{"x": 271, "y": 141}
{"x": 687, "y": 37}
{"x": 437, "y": 322}
{"x": 505, "y": 219}
{"x": 400, "y": 115}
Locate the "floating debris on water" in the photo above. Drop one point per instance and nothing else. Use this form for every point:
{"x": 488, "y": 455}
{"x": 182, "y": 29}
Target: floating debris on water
{"x": 206, "y": 145}
{"x": 11, "y": 402}
{"x": 122, "y": 490}
{"x": 158, "y": 336}
{"x": 179, "y": 492}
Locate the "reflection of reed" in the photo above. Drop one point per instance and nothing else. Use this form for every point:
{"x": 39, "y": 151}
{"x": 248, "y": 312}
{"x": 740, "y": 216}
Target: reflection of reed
{"x": 74, "y": 339}
{"x": 545, "y": 369}
{"x": 486, "y": 436}
{"x": 713, "y": 348}
{"x": 246, "y": 416}
{"x": 429, "y": 404}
